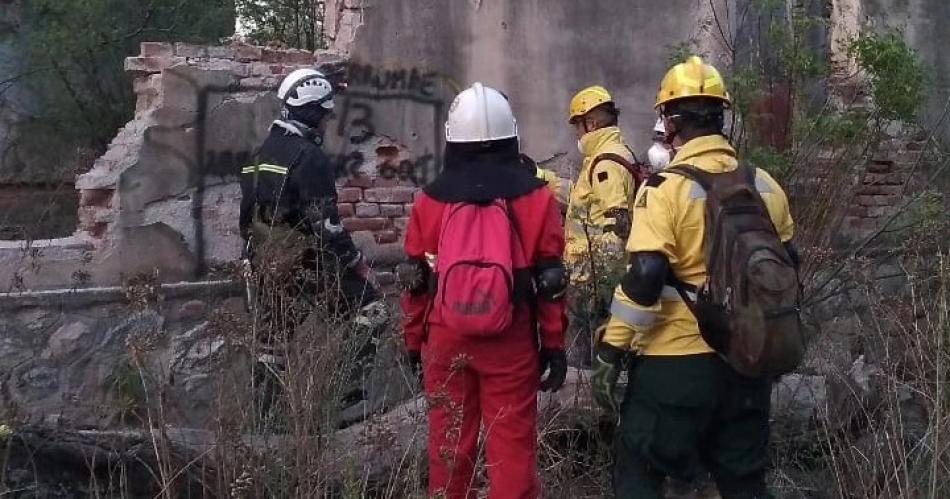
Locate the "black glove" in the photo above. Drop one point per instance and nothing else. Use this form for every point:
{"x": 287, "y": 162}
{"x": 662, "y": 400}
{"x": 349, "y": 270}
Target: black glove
{"x": 415, "y": 362}
{"x": 555, "y": 363}
{"x": 607, "y": 364}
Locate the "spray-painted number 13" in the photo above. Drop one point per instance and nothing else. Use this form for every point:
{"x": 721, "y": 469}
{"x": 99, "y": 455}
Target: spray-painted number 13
{"x": 356, "y": 117}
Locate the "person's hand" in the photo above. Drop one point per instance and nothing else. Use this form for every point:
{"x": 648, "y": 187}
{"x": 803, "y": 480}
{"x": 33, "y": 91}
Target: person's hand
{"x": 607, "y": 362}
{"x": 554, "y": 362}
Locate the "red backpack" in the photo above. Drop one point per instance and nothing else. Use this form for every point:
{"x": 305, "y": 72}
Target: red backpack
{"x": 479, "y": 250}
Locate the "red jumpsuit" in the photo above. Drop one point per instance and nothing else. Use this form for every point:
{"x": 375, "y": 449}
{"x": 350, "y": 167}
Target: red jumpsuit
{"x": 485, "y": 383}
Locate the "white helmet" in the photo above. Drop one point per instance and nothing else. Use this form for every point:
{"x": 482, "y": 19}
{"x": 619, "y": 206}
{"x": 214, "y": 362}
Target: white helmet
{"x": 659, "y": 127}
{"x": 480, "y": 114}
{"x": 306, "y": 86}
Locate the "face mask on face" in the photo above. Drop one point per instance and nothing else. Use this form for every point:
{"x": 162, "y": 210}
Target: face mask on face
{"x": 659, "y": 157}
{"x": 580, "y": 147}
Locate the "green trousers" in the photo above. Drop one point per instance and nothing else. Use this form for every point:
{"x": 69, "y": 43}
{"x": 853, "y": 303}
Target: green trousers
{"x": 685, "y": 414}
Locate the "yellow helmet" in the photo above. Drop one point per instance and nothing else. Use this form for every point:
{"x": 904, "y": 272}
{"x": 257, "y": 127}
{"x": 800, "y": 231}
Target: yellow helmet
{"x": 693, "y": 78}
{"x": 588, "y": 99}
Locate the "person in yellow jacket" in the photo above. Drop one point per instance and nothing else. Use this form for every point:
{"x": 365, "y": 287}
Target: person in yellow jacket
{"x": 598, "y": 214}
{"x": 561, "y": 188}
{"x": 684, "y": 407}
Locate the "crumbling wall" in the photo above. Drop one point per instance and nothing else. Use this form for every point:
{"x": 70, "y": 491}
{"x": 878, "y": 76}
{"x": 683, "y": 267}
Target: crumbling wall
{"x": 539, "y": 52}
{"x": 163, "y": 200}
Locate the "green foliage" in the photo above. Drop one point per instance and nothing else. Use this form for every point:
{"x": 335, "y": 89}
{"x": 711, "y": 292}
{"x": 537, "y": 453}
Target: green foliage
{"x": 296, "y": 23}
{"x": 127, "y": 389}
{"x": 896, "y": 75}
{"x": 795, "y": 59}
{"x": 679, "y": 52}
{"x": 777, "y": 163}
{"x": 72, "y": 67}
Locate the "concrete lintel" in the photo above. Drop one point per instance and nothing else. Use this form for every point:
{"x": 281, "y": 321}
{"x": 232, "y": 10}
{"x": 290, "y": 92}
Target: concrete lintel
{"x": 82, "y": 297}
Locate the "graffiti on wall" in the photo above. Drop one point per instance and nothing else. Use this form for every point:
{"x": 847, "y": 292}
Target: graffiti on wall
{"x": 374, "y": 104}
{"x": 370, "y": 135}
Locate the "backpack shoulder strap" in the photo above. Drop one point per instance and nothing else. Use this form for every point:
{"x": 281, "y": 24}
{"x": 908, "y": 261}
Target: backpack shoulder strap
{"x": 616, "y": 158}
{"x": 693, "y": 173}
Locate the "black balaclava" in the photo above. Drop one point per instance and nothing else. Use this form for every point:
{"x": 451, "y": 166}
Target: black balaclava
{"x": 309, "y": 114}
{"x": 480, "y": 172}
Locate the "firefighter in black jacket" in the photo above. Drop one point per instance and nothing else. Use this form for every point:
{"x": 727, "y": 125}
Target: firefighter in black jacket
{"x": 301, "y": 255}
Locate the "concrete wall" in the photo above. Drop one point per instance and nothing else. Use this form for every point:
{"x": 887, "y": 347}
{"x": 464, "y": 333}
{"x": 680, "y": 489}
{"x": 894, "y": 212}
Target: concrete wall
{"x": 926, "y": 25}
{"x": 539, "y": 52}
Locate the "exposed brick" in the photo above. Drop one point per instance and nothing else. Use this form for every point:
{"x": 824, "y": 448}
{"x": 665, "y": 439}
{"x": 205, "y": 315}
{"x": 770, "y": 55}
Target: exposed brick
{"x": 156, "y": 49}
{"x": 151, "y": 64}
{"x": 892, "y": 190}
{"x": 252, "y": 83}
{"x": 349, "y": 195}
{"x": 878, "y": 211}
{"x": 858, "y": 211}
{"x": 386, "y": 253}
{"x": 189, "y": 50}
{"x": 884, "y": 178}
{"x": 391, "y": 210}
{"x": 220, "y": 52}
{"x": 400, "y": 224}
{"x": 292, "y": 56}
{"x": 873, "y": 200}
{"x": 880, "y": 190}
{"x": 298, "y": 56}
{"x": 361, "y": 181}
{"x": 345, "y": 210}
{"x": 386, "y": 236}
{"x": 367, "y": 210}
{"x": 880, "y": 167}
{"x": 243, "y": 52}
{"x": 258, "y": 69}
{"x": 385, "y": 182}
{"x": 390, "y": 195}
{"x": 96, "y": 197}
{"x": 358, "y": 224}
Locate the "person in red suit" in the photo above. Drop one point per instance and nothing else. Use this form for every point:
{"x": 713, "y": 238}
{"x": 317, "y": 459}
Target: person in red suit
{"x": 484, "y": 313}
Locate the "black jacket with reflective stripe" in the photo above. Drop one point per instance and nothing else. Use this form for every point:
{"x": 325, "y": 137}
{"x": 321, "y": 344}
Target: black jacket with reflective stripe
{"x": 295, "y": 185}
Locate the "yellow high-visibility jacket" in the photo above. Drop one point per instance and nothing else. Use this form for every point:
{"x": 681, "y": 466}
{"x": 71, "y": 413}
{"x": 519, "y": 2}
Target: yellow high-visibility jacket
{"x": 669, "y": 218}
{"x": 593, "y": 194}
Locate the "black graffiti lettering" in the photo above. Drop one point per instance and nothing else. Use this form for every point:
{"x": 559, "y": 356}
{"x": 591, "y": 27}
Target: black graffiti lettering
{"x": 364, "y": 121}
{"x": 405, "y": 171}
{"x": 405, "y": 83}
{"x": 427, "y": 87}
{"x": 415, "y": 81}
{"x": 346, "y": 165}
{"x": 423, "y": 170}
{"x": 396, "y": 80}
{"x": 387, "y": 170}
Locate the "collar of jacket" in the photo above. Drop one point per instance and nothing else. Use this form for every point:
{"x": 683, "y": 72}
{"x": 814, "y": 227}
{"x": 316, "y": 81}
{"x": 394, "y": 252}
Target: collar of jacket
{"x": 476, "y": 174}
{"x": 710, "y": 152}
{"x": 593, "y": 142}
{"x": 299, "y": 129}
